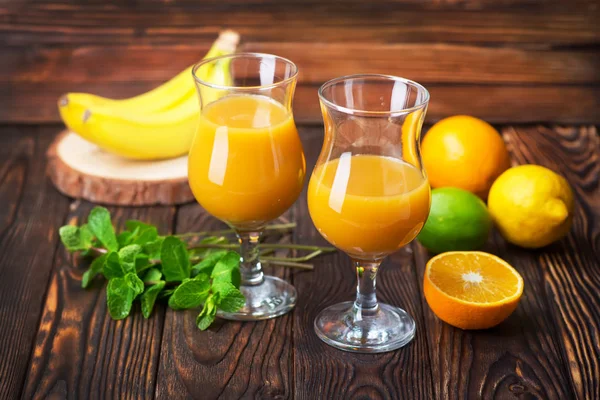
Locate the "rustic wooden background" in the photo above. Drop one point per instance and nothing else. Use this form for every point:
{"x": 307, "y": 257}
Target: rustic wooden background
{"x": 508, "y": 61}
{"x": 501, "y": 60}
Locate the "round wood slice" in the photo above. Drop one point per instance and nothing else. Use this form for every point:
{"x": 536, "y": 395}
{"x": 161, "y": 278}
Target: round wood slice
{"x": 81, "y": 169}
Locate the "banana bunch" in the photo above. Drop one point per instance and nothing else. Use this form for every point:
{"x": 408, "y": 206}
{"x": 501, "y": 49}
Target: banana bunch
{"x": 158, "y": 124}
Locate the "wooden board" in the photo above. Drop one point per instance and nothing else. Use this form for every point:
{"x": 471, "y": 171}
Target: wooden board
{"x": 79, "y": 351}
{"x": 243, "y": 360}
{"x": 61, "y": 343}
{"x": 31, "y": 212}
{"x": 322, "y": 369}
{"x": 81, "y": 169}
{"x": 497, "y": 84}
{"x": 557, "y": 22}
{"x": 507, "y": 61}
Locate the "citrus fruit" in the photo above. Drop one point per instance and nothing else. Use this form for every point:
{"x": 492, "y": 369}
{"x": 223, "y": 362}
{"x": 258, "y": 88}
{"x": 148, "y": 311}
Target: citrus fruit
{"x": 458, "y": 220}
{"x": 532, "y": 206}
{"x": 472, "y": 289}
{"x": 411, "y": 128}
{"x": 464, "y": 152}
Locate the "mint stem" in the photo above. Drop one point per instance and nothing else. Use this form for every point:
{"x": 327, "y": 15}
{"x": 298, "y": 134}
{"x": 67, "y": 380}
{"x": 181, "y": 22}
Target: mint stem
{"x": 98, "y": 251}
{"x": 322, "y": 249}
{"x": 285, "y": 263}
{"x": 273, "y": 227}
{"x": 296, "y": 259}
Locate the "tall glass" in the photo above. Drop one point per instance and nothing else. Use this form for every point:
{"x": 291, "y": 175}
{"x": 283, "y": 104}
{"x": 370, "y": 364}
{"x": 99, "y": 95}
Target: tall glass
{"x": 246, "y": 164}
{"x": 369, "y": 196}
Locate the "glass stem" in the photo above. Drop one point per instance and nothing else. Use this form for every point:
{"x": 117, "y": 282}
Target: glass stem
{"x": 366, "y": 298}
{"x": 250, "y": 268}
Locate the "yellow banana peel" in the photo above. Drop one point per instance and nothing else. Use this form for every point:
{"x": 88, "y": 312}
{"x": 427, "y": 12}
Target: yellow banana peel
{"x": 155, "y": 125}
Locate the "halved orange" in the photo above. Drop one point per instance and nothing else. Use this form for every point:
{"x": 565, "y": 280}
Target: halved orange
{"x": 471, "y": 289}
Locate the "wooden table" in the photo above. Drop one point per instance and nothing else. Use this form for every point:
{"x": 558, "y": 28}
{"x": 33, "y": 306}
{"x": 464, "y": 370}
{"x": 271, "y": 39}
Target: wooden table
{"x": 58, "y": 339}
{"x": 531, "y": 67}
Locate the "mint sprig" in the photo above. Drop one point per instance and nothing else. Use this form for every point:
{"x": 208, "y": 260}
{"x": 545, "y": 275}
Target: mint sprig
{"x": 139, "y": 264}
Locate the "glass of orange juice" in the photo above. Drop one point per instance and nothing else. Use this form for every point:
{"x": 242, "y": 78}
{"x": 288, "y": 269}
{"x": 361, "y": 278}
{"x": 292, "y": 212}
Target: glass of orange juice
{"x": 246, "y": 164}
{"x": 369, "y": 196}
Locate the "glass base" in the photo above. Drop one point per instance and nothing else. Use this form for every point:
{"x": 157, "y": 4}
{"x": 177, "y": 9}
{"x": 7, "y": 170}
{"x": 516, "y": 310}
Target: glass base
{"x": 272, "y": 298}
{"x": 389, "y": 328}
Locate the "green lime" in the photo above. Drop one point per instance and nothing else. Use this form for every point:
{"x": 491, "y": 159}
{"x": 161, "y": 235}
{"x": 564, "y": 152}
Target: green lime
{"x": 458, "y": 221}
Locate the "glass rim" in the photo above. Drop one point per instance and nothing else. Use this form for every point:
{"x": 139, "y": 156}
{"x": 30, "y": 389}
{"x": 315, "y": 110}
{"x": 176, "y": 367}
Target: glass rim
{"x": 232, "y": 56}
{"x": 356, "y": 111}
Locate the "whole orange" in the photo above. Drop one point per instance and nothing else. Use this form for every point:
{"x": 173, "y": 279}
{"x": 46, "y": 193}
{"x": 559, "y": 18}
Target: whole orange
{"x": 464, "y": 152}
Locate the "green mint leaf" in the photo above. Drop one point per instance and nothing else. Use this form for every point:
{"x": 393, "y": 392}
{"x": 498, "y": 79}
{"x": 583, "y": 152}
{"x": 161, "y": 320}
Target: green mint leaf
{"x": 86, "y": 236}
{"x": 191, "y": 293}
{"x": 142, "y": 263}
{"x": 95, "y": 269}
{"x": 153, "y": 248}
{"x": 172, "y": 302}
{"x": 134, "y": 224}
{"x": 69, "y": 235}
{"x": 112, "y": 266}
{"x": 135, "y": 282}
{"x": 227, "y": 269}
{"x": 127, "y": 256}
{"x": 204, "y": 321}
{"x": 120, "y": 294}
{"x": 124, "y": 238}
{"x": 207, "y": 265}
{"x": 146, "y": 235}
{"x": 149, "y": 296}
{"x": 230, "y": 297}
{"x": 101, "y": 226}
{"x": 75, "y": 238}
{"x": 208, "y": 314}
{"x": 152, "y": 275}
{"x": 119, "y": 298}
{"x": 175, "y": 259}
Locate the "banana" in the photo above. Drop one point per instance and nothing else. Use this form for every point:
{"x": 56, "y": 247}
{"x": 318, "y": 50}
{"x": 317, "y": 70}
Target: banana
{"x": 150, "y": 126}
{"x": 144, "y": 136}
{"x": 166, "y": 96}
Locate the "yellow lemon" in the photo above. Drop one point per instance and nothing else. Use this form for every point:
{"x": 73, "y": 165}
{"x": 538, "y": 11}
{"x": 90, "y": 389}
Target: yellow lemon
{"x": 532, "y": 206}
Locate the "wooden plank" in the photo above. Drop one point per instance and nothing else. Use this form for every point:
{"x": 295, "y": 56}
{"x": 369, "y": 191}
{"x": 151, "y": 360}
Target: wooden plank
{"x": 332, "y": 373}
{"x": 570, "y": 267}
{"x": 30, "y": 215}
{"x": 80, "y": 352}
{"x": 59, "y": 23}
{"x": 525, "y": 355}
{"x": 408, "y": 4}
{"x": 521, "y": 356}
{"x": 231, "y": 359}
{"x": 495, "y": 104}
{"x": 99, "y": 64}
{"x": 36, "y": 103}
{"x": 411, "y": 4}
{"x": 437, "y": 63}
{"x": 425, "y": 63}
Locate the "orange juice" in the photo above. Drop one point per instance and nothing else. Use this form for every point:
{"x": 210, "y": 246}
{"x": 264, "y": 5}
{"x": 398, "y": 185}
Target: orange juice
{"x": 246, "y": 164}
{"x": 368, "y": 206}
